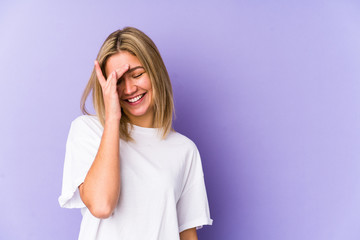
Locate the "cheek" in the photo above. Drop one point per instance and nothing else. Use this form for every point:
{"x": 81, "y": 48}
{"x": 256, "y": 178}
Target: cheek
{"x": 149, "y": 89}
{"x": 151, "y": 96}
{"x": 144, "y": 84}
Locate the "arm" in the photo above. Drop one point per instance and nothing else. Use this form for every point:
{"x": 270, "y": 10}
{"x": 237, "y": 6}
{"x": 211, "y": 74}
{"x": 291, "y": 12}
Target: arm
{"x": 189, "y": 234}
{"x": 100, "y": 190}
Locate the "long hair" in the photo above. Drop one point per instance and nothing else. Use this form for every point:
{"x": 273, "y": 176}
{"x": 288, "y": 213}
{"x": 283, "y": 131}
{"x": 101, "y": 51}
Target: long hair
{"x": 140, "y": 45}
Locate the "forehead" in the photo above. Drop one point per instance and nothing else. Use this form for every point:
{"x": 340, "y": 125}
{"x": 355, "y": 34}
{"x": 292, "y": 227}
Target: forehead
{"x": 119, "y": 59}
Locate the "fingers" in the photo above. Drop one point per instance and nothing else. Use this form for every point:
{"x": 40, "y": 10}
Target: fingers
{"x": 121, "y": 71}
{"x": 118, "y": 73}
{"x": 99, "y": 74}
{"x": 112, "y": 79}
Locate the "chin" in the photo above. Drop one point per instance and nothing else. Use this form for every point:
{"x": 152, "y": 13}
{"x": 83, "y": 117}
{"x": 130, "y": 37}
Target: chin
{"x": 137, "y": 112}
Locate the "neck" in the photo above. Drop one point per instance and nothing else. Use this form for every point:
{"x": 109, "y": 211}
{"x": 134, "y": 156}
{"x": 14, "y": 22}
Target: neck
{"x": 146, "y": 120}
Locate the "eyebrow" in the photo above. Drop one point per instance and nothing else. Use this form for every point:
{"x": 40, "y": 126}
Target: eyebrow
{"x": 133, "y": 69}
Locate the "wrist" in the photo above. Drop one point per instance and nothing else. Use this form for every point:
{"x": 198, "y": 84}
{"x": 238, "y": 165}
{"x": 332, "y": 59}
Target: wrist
{"x": 112, "y": 121}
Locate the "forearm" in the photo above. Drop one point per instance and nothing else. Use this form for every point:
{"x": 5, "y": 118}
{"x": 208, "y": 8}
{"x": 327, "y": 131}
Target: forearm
{"x": 101, "y": 188}
{"x": 189, "y": 234}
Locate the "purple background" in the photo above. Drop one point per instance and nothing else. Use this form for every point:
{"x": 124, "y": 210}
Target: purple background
{"x": 268, "y": 90}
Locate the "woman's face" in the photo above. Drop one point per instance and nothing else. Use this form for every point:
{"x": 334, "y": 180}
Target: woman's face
{"x": 134, "y": 88}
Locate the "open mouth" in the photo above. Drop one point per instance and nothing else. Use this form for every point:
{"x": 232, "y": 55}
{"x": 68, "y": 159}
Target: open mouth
{"x": 135, "y": 99}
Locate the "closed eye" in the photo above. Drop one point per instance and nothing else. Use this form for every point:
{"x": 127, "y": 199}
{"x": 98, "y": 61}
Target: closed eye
{"x": 138, "y": 75}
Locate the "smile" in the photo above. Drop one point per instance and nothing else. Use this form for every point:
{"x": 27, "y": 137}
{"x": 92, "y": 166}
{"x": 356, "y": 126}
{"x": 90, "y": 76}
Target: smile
{"x": 135, "y": 99}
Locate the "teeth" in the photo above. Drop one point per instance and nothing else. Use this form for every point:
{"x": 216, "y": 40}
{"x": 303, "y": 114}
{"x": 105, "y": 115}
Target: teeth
{"x": 135, "y": 98}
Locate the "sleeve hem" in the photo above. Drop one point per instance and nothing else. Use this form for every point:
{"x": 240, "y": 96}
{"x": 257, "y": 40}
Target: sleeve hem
{"x": 198, "y": 223}
{"x": 71, "y": 198}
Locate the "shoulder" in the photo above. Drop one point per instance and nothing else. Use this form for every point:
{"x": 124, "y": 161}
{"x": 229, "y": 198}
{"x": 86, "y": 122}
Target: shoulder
{"x": 86, "y": 125}
{"x": 182, "y": 140}
{"x": 86, "y": 120}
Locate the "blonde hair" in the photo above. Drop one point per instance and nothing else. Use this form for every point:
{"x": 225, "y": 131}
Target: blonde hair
{"x": 140, "y": 45}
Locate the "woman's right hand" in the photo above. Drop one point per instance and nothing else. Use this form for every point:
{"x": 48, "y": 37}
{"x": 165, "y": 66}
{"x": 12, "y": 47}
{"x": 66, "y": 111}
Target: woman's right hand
{"x": 109, "y": 90}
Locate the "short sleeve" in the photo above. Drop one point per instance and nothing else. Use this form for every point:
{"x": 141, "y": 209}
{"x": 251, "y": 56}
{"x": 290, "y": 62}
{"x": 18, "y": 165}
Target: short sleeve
{"x": 192, "y": 206}
{"x": 81, "y": 148}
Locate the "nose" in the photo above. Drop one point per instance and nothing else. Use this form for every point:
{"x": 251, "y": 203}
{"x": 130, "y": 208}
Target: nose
{"x": 129, "y": 87}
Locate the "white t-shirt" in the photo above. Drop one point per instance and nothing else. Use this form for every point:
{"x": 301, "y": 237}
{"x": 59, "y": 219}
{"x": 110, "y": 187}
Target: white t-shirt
{"x": 162, "y": 184}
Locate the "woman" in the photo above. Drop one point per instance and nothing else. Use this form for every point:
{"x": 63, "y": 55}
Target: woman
{"x": 131, "y": 174}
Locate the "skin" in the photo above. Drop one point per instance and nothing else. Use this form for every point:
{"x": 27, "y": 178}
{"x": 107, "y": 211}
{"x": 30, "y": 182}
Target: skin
{"x": 189, "y": 234}
{"x": 134, "y": 82}
{"x": 126, "y": 79}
